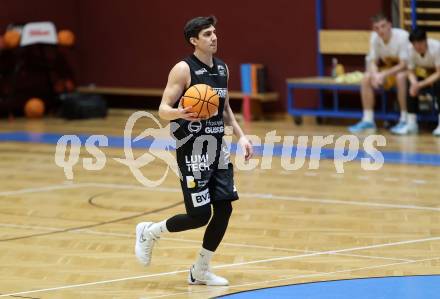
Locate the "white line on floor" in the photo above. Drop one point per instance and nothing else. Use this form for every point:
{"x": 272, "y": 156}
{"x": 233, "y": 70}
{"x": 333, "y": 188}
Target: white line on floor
{"x": 198, "y": 242}
{"x": 270, "y": 196}
{"x": 41, "y": 189}
{"x": 296, "y": 277}
{"x": 266, "y": 196}
{"x": 228, "y": 266}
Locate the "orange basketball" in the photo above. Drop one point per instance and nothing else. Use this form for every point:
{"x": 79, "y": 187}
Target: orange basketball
{"x": 66, "y": 38}
{"x": 34, "y": 108}
{"x": 203, "y": 99}
{"x": 12, "y": 38}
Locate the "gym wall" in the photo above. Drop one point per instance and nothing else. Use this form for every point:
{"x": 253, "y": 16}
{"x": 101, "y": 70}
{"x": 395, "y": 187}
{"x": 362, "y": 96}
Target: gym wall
{"x": 134, "y": 43}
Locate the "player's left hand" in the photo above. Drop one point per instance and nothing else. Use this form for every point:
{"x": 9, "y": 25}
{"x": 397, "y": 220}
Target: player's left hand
{"x": 378, "y": 80}
{"x": 247, "y": 147}
{"x": 414, "y": 89}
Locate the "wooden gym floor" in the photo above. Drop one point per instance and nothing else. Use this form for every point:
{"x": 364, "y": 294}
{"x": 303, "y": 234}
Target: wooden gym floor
{"x": 74, "y": 239}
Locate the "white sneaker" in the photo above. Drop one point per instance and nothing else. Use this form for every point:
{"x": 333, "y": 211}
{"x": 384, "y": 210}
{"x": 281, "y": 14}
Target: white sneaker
{"x": 205, "y": 277}
{"x": 363, "y": 127}
{"x": 406, "y": 129}
{"x": 398, "y": 126}
{"x": 436, "y": 132}
{"x": 145, "y": 240}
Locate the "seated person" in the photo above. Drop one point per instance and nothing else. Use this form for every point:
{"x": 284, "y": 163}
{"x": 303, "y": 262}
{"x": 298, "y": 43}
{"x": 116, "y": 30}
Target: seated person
{"x": 423, "y": 75}
{"x": 386, "y": 65}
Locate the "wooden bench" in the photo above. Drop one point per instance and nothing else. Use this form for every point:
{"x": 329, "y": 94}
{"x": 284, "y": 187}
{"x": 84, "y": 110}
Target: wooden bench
{"x": 256, "y": 99}
{"x": 337, "y": 42}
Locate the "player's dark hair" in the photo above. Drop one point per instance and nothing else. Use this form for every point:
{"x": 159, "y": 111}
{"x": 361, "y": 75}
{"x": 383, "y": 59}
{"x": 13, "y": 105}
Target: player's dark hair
{"x": 378, "y": 17}
{"x": 417, "y": 35}
{"x": 194, "y": 26}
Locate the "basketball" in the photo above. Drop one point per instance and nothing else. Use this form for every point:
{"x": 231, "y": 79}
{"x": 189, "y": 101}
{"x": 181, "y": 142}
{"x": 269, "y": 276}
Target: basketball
{"x": 66, "y": 38}
{"x": 203, "y": 99}
{"x": 12, "y": 38}
{"x": 34, "y": 108}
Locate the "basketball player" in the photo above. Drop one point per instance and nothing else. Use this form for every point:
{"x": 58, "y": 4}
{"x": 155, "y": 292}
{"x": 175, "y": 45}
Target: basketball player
{"x": 423, "y": 75}
{"x": 386, "y": 63}
{"x": 206, "y": 173}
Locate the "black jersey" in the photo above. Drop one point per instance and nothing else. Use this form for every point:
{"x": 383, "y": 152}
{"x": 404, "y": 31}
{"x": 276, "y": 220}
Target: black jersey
{"x": 216, "y": 77}
{"x": 203, "y": 160}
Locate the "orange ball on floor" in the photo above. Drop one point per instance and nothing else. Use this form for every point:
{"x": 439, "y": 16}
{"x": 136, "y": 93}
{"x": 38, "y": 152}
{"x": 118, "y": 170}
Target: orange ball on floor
{"x": 34, "y": 108}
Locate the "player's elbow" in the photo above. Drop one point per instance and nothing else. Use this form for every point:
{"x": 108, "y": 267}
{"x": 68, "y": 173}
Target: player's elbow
{"x": 163, "y": 112}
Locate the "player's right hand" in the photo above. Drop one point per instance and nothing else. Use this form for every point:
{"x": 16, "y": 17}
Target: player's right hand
{"x": 377, "y": 80}
{"x": 246, "y": 145}
{"x": 414, "y": 89}
{"x": 186, "y": 114}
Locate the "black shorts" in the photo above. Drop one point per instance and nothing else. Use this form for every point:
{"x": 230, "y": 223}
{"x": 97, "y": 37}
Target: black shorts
{"x": 211, "y": 185}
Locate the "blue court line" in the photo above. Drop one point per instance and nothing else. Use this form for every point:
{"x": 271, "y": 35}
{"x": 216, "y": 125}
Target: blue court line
{"x": 403, "y": 287}
{"x": 326, "y": 153}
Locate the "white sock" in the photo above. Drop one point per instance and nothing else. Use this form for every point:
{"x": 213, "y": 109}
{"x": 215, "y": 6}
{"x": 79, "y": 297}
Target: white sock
{"x": 368, "y": 116}
{"x": 203, "y": 259}
{"x": 159, "y": 227}
{"x": 403, "y": 116}
{"x": 412, "y": 119}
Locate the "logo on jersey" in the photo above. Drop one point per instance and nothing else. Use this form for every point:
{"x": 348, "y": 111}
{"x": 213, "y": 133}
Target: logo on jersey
{"x": 222, "y": 92}
{"x": 221, "y": 70}
{"x": 194, "y": 126}
{"x": 200, "y": 72}
{"x": 197, "y": 162}
{"x": 190, "y": 183}
{"x": 214, "y": 130}
{"x": 202, "y": 183}
{"x": 201, "y": 198}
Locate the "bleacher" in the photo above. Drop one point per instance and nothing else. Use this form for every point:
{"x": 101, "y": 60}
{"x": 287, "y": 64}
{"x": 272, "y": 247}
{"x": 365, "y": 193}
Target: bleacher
{"x": 258, "y": 99}
{"x": 349, "y": 42}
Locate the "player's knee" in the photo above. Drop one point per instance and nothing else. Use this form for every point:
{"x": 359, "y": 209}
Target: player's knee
{"x": 228, "y": 210}
{"x": 366, "y": 80}
{"x": 401, "y": 78}
{"x": 203, "y": 219}
{"x": 224, "y": 210}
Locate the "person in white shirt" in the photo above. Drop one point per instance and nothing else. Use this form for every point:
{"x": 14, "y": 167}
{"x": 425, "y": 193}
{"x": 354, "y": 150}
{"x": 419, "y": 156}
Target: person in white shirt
{"x": 423, "y": 76}
{"x": 386, "y": 67}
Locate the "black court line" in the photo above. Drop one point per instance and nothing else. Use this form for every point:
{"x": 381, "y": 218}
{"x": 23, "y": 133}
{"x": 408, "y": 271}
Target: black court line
{"x": 25, "y": 297}
{"x": 90, "y": 201}
{"x": 15, "y": 296}
{"x": 93, "y": 197}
